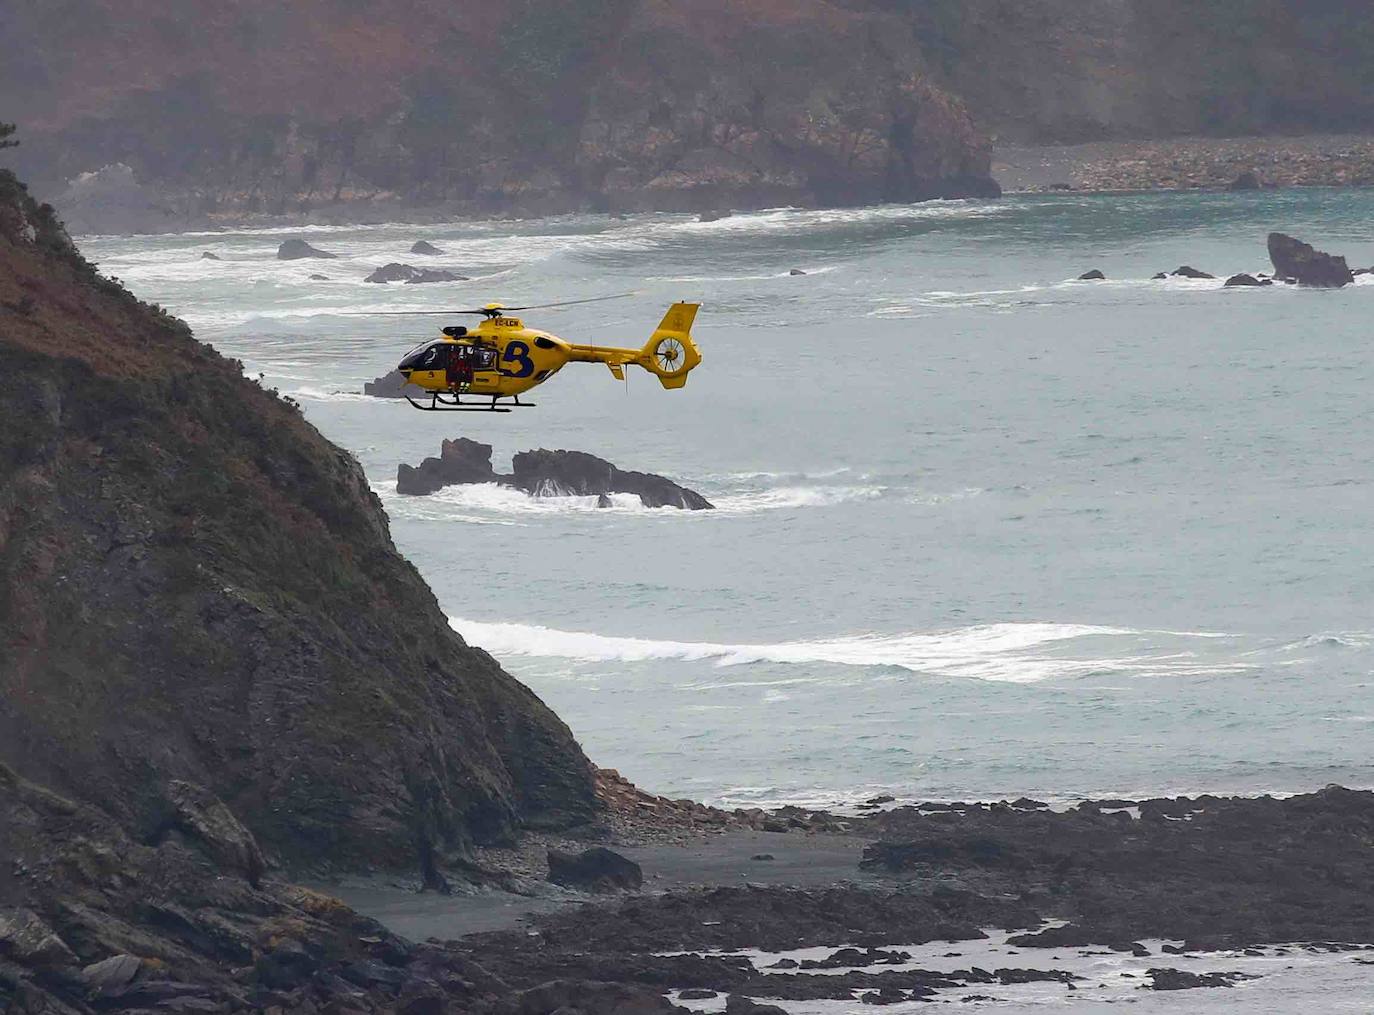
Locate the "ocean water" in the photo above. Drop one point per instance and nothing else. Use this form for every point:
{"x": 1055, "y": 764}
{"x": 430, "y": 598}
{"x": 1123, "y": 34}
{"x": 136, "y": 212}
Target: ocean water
{"x": 982, "y": 530}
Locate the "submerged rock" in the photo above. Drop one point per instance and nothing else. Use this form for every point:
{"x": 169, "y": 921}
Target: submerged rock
{"x": 208, "y": 256}
{"x": 1300, "y": 262}
{"x": 714, "y": 215}
{"x": 1092, "y": 276}
{"x": 426, "y": 248}
{"x": 294, "y": 250}
{"x": 1243, "y": 280}
{"x": 1178, "y": 979}
{"x": 595, "y": 870}
{"x": 409, "y": 274}
{"x": 319, "y": 278}
{"x": 1187, "y": 271}
{"x": 796, "y": 271}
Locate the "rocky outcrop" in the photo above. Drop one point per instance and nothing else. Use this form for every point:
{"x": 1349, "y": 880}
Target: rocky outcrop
{"x": 426, "y": 248}
{"x": 1244, "y": 279}
{"x": 391, "y": 384}
{"x": 1187, "y": 271}
{"x": 204, "y": 614}
{"x": 594, "y": 870}
{"x": 1295, "y": 261}
{"x": 409, "y": 274}
{"x": 460, "y": 461}
{"x": 1095, "y": 275}
{"x": 544, "y": 474}
{"x": 295, "y": 250}
{"x": 575, "y": 473}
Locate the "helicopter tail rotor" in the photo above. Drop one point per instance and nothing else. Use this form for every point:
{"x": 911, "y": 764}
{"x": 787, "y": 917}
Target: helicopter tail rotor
{"x": 670, "y": 352}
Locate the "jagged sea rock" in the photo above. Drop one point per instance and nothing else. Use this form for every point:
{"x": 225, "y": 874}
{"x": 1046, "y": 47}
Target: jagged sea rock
{"x": 296, "y": 249}
{"x": 1244, "y": 279}
{"x": 460, "y": 461}
{"x": 1293, "y": 259}
{"x": 409, "y": 274}
{"x": 544, "y": 473}
{"x": 208, "y": 256}
{"x": 1187, "y": 271}
{"x": 1092, "y": 276}
{"x": 426, "y": 248}
{"x": 595, "y": 870}
{"x": 391, "y": 384}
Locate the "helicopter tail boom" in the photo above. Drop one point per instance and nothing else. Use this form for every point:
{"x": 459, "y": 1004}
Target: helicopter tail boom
{"x": 669, "y": 354}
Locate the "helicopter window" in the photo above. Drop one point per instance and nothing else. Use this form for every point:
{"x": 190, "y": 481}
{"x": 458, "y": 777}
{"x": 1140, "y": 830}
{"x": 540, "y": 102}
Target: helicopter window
{"x": 425, "y": 357}
{"x": 543, "y": 343}
{"x": 484, "y": 359}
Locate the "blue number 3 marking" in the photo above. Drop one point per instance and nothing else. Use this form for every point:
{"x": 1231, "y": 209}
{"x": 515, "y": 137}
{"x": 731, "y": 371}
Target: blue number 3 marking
{"x": 518, "y": 352}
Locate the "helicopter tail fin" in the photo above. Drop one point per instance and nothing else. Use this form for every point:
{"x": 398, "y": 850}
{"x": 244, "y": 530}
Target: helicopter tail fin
{"x": 670, "y": 352}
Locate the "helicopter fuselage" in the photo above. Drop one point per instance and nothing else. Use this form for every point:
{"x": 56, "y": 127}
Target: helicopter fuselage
{"x": 501, "y": 358}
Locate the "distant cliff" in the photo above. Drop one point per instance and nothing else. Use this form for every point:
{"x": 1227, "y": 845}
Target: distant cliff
{"x": 341, "y": 109}
{"x": 197, "y": 589}
{"x": 496, "y": 105}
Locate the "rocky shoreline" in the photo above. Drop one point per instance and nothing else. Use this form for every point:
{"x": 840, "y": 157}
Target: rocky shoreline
{"x": 1190, "y": 163}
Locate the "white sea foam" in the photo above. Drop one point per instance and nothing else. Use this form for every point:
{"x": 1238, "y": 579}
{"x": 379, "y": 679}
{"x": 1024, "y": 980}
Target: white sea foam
{"x": 1012, "y": 653}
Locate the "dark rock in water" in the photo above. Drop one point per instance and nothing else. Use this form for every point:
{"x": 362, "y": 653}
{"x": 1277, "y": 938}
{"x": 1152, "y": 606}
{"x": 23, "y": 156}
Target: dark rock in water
{"x": 887, "y": 995}
{"x": 796, "y": 271}
{"x": 1362, "y": 271}
{"x": 1159, "y": 275}
{"x": 696, "y": 994}
{"x": 714, "y": 215}
{"x": 1296, "y": 260}
{"x": 460, "y": 461}
{"x": 585, "y": 996}
{"x": 208, "y": 256}
{"x": 294, "y": 250}
{"x": 426, "y": 248}
{"x": 1061, "y": 186}
{"x": 411, "y": 275}
{"x": 738, "y": 1004}
{"x": 595, "y": 870}
{"x": 1246, "y": 180}
{"x": 545, "y": 473}
{"x": 1177, "y": 979}
{"x": 391, "y": 385}
{"x": 763, "y": 856}
{"x": 1092, "y": 276}
{"x": 1186, "y": 271}
{"x": 1243, "y": 280}
{"x": 319, "y": 278}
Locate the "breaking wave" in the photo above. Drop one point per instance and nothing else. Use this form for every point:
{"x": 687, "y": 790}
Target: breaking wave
{"x": 1010, "y": 652}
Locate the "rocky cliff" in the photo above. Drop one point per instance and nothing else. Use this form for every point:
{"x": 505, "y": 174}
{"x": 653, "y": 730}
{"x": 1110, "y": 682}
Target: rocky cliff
{"x": 524, "y": 105}
{"x": 198, "y": 588}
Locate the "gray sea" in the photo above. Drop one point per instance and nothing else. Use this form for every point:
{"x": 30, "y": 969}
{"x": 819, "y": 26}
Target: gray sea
{"x": 981, "y": 531}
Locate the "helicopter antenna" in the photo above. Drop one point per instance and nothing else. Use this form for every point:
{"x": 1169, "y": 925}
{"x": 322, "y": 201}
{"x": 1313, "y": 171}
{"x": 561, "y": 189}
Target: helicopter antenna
{"x": 494, "y": 310}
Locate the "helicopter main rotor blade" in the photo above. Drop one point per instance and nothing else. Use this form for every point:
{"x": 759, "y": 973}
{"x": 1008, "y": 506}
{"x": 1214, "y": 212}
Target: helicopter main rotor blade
{"x": 484, "y": 312}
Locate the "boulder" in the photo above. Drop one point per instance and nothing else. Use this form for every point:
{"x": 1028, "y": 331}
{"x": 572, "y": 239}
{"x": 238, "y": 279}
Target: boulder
{"x": 1245, "y": 180}
{"x": 204, "y": 817}
{"x": 460, "y": 461}
{"x": 25, "y": 938}
{"x": 796, "y": 271}
{"x": 411, "y": 275}
{"x": 1243, "y": 280}
{"x": 294, "y": 250}
{"x": 1187, "y": 271}
{"x": 595, "y": 870}
{"x": 112, "y": 973}
{"x": 1092, "y": 276}
{"x": 391, "y": 384}
{"x": 426, "y": 248}
{"x": 207, "y": 256}
{"x": 1299, "y": 261}
{"x": 545, "y": 473}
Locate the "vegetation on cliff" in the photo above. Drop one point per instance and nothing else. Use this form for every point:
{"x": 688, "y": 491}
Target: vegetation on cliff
{"x": 197, "y": 587}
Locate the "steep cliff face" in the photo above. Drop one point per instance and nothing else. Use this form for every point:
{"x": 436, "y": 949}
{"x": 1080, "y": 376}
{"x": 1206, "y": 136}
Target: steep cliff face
{"x": 1057, "y": 70}
{"x": 195, "y": 585}
{"x": 531, "y": 105}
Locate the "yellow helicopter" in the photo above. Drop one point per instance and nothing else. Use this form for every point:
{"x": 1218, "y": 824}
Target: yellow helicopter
{"x": 500, "y": 359}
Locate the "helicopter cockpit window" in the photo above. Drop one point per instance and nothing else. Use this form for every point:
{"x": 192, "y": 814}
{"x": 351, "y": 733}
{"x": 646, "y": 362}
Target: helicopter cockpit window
{"x": 425, "y": 357}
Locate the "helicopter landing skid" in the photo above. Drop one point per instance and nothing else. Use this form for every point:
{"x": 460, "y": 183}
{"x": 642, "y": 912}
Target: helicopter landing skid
{"x": 437, "y": 403}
